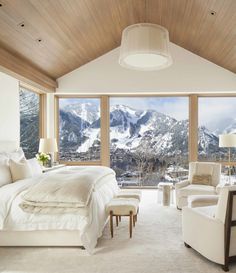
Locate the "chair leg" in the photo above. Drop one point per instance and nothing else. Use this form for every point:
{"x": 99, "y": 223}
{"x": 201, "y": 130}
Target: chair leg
{"x": 119, "y": 218}
{"x": 117, "y": 221}
{"x": 130, "y": 223}
{"x": 111, "y": 223}
{"x": 133, "y": 220}
{"x": 225, "y": 267}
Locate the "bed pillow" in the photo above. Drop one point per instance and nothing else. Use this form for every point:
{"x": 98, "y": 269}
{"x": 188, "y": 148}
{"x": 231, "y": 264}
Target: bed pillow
{"x": 5, "y": 173}
{"x": 16, "y": 155}
{"x": 20, "y": 170}
{"x": 35, "y": 167}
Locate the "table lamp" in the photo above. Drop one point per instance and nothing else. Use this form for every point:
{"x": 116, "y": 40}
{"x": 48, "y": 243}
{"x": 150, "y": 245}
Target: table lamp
{"x": 48, "y": 146}
{"x": 228, "y": 141}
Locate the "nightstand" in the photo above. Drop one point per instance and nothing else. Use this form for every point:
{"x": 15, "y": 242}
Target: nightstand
{"x": 53, "y": 168}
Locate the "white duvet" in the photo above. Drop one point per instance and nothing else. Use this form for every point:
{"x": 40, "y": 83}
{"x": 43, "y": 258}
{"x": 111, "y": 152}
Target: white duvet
{"x": 89, "y": 220}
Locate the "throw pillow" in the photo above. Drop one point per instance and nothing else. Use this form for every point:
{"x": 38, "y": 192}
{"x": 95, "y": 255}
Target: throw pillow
{"x": 19, "y": 170}
{"x": 5, "y": 173}
{"x": 35, "y": 167}
{"x": 202, "y": 179}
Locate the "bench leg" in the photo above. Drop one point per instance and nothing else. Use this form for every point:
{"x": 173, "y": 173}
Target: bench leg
{"x": 111, "y": 223}
{"x": 130, "y": 223}
{"x": 117, "y": 221}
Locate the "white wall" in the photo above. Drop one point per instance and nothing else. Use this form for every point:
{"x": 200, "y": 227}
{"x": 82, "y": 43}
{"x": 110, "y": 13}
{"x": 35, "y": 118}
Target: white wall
{"x": 188, "y": 74}
{"x": 9, "y": 108}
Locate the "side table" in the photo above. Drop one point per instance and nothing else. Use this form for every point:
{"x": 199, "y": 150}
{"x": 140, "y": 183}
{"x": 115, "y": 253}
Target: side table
{"x": 165, "y": 190}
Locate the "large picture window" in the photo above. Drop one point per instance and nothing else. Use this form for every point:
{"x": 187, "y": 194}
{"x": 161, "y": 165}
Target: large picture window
{"x": 29, "y": 122}
{"x": 149, "y": 139}
{"x": 216, "y": 115}
{"x": 79, "y": 129}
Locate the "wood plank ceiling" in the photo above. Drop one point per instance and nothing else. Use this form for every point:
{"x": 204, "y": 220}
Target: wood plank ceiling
{"x": 74, "y": 32}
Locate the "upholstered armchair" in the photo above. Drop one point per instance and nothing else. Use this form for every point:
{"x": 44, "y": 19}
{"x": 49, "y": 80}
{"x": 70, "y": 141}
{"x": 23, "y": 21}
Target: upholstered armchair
{"x": 211, "y": 230}
{"x": 185, "y": 188}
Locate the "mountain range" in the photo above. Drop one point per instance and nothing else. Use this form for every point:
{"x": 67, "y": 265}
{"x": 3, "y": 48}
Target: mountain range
{"x": 131, "y": 130}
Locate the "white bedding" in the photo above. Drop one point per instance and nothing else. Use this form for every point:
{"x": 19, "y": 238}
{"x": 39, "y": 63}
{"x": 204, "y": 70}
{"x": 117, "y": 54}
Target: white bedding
{"x": 89, "y": 221}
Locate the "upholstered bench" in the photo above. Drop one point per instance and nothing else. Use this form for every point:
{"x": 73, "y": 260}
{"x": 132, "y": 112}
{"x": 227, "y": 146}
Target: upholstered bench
{"x": 195, "y": 201}
{"x": 128, "y": 193}
{"x": 123, "y": 207}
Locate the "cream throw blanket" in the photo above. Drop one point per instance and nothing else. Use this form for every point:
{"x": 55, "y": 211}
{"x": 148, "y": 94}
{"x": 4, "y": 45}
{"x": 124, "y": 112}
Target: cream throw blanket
{"x": 64, "y": 191}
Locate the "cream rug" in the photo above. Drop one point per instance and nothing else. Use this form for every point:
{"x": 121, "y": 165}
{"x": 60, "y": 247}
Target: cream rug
{"x": 156, "y": 247}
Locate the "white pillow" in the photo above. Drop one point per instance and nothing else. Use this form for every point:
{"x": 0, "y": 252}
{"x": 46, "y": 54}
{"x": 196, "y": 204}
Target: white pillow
{"x": 5, "y": 173}
{"x": 35, "y": 167}
{"x": 19, "y": 170}
{"x": 16, "y": 155}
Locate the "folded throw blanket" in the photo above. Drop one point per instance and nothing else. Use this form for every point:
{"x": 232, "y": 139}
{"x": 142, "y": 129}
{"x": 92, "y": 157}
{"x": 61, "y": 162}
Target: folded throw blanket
{"x": 64, "y": 191}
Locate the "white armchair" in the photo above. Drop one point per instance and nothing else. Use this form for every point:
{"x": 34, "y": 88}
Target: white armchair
{"x": 212, "y": 230}
{"x": 185, "y": 188}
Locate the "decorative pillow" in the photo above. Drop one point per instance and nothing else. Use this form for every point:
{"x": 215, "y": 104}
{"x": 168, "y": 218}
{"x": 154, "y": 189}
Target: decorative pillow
{"x": 202, "y": 179}
{"x": 35, "y": 167}
{"x": 19, "y": 170}
{"x": 5, "y": 173}
{"x": 17, "y": 155}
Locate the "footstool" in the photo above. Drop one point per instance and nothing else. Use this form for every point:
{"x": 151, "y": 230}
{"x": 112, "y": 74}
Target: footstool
{"x": 195, "y": 201}
{"x": 123, "y": 207}
{"x": 136, "y": 194}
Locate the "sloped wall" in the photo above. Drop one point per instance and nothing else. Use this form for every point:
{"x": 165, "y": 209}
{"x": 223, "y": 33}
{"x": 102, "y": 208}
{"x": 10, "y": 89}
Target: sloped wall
{"x": 188, "y": 74}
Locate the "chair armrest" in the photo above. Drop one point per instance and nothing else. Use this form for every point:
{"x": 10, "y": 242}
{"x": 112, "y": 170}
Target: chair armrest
{"x": 182, "y": 184}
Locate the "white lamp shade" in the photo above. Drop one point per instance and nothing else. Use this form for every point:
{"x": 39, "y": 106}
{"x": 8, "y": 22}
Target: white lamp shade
{"x": 227, "y": 140}
{"x": 145, "y": 47}
{"x": 48, "y": 145}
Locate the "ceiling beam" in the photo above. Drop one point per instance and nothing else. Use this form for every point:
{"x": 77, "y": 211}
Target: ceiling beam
{"x": 22, "y": 70}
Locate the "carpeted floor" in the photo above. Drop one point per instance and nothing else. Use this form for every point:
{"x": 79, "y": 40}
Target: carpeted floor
{"x": 156, "y": 247}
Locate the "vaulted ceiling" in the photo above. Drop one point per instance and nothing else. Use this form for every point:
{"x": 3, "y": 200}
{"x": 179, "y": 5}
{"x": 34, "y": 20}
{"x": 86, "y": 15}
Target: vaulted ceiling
{"x": 56, "y": 36}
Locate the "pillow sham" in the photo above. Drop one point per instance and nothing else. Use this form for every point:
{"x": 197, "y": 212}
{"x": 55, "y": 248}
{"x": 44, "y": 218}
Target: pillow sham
{"x": 19, "y": 170}
{"x": 5, "y": 173}
{"x": 202, "y": 179}
{"x": 35, "y": 167}
{"x": 16, "y": 155}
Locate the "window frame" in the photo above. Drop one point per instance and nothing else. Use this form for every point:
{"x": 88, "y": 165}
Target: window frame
{"x": 105, "y": 123}
{"x": 104, "y": 129}
{"x": 208, "y": 95}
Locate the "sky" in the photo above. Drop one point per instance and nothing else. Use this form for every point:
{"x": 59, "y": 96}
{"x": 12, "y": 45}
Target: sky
{"x": 216, "y": 113}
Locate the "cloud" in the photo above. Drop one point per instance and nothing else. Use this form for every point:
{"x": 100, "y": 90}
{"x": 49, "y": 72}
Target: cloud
{"x": 215, "y": 113}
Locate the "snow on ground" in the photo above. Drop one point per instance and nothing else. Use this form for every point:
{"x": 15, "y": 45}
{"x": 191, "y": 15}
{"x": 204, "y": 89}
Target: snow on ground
{"x": 92, "y": 134}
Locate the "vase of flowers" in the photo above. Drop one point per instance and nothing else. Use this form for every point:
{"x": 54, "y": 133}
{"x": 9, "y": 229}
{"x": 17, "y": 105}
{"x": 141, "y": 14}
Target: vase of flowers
{"x": 43, "y": 158}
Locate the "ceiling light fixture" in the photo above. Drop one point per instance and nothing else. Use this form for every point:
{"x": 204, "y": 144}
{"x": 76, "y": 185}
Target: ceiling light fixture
{"x": 145, "y": 47}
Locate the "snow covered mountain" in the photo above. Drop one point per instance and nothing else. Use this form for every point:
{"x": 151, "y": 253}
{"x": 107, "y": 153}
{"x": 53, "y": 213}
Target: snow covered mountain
{"x": 130, "y": 130}
{"x": 29, "y": 122}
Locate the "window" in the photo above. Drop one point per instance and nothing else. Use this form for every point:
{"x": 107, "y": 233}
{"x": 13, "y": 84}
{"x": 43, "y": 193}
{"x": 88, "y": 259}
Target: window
{"x": 29, "y": 122}
{"x": 79, "y": 129}
{"x": 149, "y": 139}
{"x": 216, "y": 115}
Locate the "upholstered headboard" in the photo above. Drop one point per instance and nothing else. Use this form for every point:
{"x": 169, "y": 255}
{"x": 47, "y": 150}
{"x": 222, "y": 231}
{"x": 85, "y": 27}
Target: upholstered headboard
{"x": 8, "y": 146}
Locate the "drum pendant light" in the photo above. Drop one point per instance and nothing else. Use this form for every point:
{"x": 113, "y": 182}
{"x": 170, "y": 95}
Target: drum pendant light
{"x": 145, "y": 47}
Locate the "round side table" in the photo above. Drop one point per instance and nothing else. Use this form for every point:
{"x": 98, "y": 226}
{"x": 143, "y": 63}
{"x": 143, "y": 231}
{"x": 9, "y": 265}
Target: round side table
{"x": 165, "y": 190}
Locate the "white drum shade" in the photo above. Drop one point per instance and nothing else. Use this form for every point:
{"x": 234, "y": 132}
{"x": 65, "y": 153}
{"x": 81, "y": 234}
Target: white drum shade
{"x": 227, "y": 140}
{"x": 145, "y": 47}
{"x": 48, "y": 145}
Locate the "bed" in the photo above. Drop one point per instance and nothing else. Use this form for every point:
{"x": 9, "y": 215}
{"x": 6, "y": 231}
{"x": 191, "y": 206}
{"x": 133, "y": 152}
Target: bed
{"x": 81, "y": 228}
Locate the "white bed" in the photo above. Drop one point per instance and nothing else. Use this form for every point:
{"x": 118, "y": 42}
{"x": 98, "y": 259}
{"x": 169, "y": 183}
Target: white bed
{"x": 83, "y": 228}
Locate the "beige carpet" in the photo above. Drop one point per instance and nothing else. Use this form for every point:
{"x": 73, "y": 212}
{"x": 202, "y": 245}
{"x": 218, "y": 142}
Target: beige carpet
{"x": 156, "y": 247}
